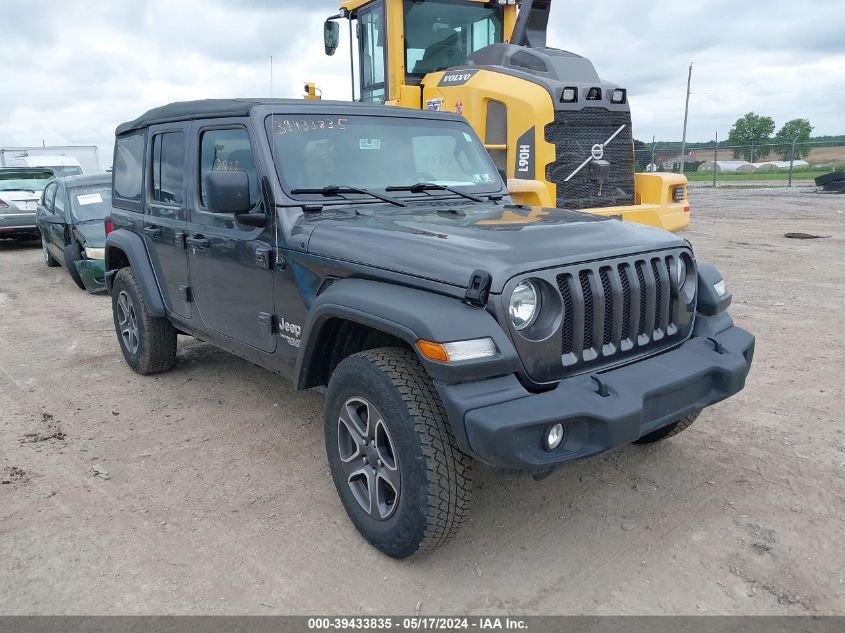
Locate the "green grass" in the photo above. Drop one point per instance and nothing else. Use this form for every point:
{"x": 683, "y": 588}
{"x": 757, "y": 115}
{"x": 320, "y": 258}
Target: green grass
{"x": 798, "y": 174}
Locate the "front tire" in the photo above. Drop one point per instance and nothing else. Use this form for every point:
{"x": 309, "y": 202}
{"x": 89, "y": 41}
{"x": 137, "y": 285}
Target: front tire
{"x": 393, "y": 457}
{"x": 148, "y": 343}
{"x": 670, "y": 430}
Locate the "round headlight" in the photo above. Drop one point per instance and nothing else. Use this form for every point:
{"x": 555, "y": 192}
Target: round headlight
{"x": 681, "y": 272}
{"x": 524, "y": 304}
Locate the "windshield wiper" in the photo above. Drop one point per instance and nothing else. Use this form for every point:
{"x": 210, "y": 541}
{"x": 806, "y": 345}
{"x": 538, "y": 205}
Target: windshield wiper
{"x": 431, "y": 186}
{"x": 333, "y": 190}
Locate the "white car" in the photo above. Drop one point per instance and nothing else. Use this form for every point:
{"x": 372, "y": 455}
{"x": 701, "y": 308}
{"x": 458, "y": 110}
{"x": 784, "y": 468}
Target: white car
{"x": 60, "y": 165}
{"x": 20, "y": 190}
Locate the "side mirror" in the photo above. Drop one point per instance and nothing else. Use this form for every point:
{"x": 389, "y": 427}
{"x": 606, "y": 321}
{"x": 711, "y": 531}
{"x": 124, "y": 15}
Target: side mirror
{"x": 227, "y": 191}
{"x": 331, "y": 36}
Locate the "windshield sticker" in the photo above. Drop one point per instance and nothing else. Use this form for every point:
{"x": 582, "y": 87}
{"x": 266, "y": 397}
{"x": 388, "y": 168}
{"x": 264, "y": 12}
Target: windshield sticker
{"x": 369, "y": 143}
{"x": 286, "y": 126}
{"x": 435, "y": 105}
{"x": 480, "y": 178}
{"x": 89, "y": 198}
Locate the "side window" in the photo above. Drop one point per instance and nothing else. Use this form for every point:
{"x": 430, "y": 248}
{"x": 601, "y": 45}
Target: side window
{"x": 168, "y": 167}
{"x": 227, "y": 150}
{"x": 372, "y": 37}
{"x": 59, "y": 204}
{"x": 128, "y": 167}
{"x": 47, "y": 196}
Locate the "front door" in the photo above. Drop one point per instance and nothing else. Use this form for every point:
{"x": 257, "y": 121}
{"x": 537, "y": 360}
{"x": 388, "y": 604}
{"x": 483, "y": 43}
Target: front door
{"x": 165, "y": 215}
{"x": 230, "y": 263}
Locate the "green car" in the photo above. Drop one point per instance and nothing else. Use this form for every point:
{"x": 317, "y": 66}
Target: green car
{"x": 70, "y": 218}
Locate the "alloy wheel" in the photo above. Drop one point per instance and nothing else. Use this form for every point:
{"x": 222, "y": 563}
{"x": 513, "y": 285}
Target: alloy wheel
{"x": 368, "y": 458}
{"x": 127, "y": 322}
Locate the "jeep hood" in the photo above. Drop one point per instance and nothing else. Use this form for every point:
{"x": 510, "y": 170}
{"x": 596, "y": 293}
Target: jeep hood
{"x": 447, "y": 242}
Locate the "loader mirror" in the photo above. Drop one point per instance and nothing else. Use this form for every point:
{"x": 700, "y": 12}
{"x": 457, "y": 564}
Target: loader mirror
{"x": 331, "y": 36}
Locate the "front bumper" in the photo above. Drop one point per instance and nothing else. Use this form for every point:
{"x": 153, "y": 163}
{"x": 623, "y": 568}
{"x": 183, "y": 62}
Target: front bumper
{"x": 93, "y": 274}
{"x": 500, "y": 423}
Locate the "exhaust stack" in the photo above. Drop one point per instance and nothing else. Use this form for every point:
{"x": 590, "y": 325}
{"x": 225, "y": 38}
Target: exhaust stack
{"x": 532, "y": 23}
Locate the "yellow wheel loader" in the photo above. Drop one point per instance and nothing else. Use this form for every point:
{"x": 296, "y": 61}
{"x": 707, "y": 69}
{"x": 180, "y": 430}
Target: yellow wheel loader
{"x": 558, "y": 133}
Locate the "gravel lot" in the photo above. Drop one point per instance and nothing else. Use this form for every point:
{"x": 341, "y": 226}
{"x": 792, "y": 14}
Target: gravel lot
{"x": 217, "y": 497}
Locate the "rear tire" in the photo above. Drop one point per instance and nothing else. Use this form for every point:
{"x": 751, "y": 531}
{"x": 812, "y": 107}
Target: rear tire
{"x": 668, "y": 431}
{"x": 73, "y": 253}
{"x": 148, "y": 343}
{"x": 48, "y": 257}
{"x": 405, "y": 485}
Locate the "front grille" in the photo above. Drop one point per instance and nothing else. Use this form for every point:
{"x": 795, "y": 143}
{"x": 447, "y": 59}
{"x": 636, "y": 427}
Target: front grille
{"x": 616, "y": 310}
{"x": 573, "y": 133}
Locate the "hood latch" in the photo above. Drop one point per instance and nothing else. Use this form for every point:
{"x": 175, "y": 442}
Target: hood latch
{"x": 478, "y": 288}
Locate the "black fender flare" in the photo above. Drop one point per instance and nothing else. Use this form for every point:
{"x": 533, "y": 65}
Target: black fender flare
{"x": 133, "y": 247}
{"x": 409, "y": 314}
{"x": 709, "y": 301}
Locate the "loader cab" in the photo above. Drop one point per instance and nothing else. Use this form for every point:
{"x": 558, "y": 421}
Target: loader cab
{"x": 398, "y": 42}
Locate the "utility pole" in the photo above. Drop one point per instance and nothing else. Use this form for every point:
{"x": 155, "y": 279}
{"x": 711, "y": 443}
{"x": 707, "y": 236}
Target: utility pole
{"x": 653, "y": 145}
{"x": 686, "y": 115}
{"x": 715, "y": 157}
{"x": 791, "y": 160}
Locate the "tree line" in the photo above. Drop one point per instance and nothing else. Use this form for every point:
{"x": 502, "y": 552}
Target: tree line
{"x": 755, "y": 134}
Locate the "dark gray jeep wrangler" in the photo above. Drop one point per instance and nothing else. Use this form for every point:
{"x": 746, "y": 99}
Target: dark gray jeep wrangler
{"x": 374, "y": 251}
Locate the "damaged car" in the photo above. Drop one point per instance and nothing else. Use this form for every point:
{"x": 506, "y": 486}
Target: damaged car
{"x": 70, "y": 217}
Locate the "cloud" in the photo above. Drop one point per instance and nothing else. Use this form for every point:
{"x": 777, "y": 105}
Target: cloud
{"x": 72, "y": 71}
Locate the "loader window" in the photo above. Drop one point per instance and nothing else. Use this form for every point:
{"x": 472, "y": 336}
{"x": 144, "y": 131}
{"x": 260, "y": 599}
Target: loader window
{"x": 371, "y": 40}
{"x": 441, "y": 34}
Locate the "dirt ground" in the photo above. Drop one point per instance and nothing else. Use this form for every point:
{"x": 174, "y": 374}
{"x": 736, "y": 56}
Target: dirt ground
{"x": 213, "y": 494}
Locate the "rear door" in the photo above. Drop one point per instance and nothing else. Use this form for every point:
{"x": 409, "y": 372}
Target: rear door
{"x": 57, "y": 241}
{"x": 44, "y": 212}
{"x": 165, "y": 214}
{"x": 230, "y": 263}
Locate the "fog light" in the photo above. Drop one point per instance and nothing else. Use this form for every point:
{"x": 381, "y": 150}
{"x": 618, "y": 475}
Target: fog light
{"x": 554, "y": 436}
{"x": 618, "y": 95}
{"x": 721, "y": 288}
{"x": 677, "y": 194}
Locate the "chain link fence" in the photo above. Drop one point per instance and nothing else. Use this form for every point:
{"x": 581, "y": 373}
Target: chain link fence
{"x": 791, "y": 163}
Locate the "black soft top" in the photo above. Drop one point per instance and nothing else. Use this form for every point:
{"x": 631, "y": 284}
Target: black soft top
{"x": 213, "y": 108}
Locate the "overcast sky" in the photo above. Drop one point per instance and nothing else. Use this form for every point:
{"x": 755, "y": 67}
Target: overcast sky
{"x": 71, "y": 71}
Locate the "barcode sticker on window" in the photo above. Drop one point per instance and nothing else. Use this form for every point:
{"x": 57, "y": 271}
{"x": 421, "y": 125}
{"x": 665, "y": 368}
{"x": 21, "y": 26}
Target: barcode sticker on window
{"x": 89, "y": 198}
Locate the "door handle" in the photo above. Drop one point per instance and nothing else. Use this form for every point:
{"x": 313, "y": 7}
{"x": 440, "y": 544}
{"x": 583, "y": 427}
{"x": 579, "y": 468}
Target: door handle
{"x": 197, "y": 241}
{"x": 153, "y": 231}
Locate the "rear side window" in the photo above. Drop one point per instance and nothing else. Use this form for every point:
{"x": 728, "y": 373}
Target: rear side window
{"x": 128, "y": 167}
{"x": 228, "y": 150}
{"x": 59, "y": 204}
{"x": 168, "y": 167}
{"x": 47, "y": 196}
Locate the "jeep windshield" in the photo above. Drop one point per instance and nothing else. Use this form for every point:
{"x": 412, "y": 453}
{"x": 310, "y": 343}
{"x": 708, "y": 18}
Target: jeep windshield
{"x": 379, "y": 153}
